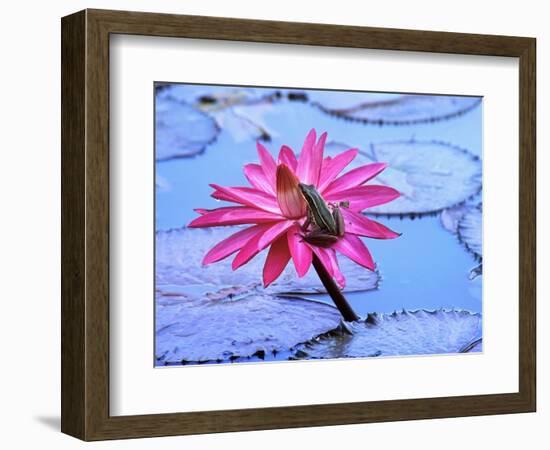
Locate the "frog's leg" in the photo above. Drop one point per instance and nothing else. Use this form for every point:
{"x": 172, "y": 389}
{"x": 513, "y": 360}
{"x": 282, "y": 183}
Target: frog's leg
{"x": 320, "y": 238}
{"x": 339, "y": 221}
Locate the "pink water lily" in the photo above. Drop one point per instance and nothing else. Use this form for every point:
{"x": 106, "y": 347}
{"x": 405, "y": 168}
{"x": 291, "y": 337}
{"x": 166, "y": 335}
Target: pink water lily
{"x": 277, "y": 211}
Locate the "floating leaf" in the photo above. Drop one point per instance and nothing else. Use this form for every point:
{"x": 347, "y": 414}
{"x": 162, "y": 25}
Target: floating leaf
{"x": 181, "y": 130}
{"x": 238, "y": 110}
{"x": 211, "y": 98}
{"x": 179, "y": 255}
{"x": 466, "y": 222}
{"x": 451, "y": 216}
{"x": 430, "y": 175}
{"x": 214, "y": 313}
{"x": 245, "y": 123}
{"x": 400, "y": 333}
{"x": 469, "y": 230}
{"x": 339, "y": 100}
{"x": 236, "y": 327}
{"x": 391, "y": 109}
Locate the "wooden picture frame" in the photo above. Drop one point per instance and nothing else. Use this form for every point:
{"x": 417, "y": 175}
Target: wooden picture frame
{"x": 85, "y": 224}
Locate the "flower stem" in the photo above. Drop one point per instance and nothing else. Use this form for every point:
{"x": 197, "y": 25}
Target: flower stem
{"x": 336, "y": 295}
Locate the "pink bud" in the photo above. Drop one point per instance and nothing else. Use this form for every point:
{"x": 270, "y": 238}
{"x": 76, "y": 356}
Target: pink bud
{"x": 290, "y": 199}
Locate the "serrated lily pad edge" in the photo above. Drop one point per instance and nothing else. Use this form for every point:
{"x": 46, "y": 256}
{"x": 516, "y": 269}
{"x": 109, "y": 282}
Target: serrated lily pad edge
{"x": 381, "y": 122}
{"x": 298, "y": 351}
{"x": 371, "y": 319}
{"x": 476, "y": 255}
{"x": 202, "y": 149}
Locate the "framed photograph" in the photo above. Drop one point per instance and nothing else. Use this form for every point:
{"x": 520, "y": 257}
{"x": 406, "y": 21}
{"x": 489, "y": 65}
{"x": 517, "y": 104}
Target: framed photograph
{"x": 273, "y": 225}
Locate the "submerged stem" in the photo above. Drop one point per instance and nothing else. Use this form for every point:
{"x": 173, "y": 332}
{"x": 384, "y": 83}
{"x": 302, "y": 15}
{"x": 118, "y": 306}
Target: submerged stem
{"x": 336, "y": 295}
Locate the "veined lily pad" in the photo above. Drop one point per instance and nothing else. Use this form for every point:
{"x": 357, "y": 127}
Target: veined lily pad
{"x": 391, "y": 109}
{"x": 181, "y": 130}
{"x": 179, "y": 255}
{"x": 400, "y": 333}
{"x": 430, "y": 175}
{"x": 222, "y": 330}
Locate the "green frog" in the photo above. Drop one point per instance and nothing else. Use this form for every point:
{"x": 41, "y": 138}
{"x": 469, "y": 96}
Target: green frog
{"x": 327, "y": 222}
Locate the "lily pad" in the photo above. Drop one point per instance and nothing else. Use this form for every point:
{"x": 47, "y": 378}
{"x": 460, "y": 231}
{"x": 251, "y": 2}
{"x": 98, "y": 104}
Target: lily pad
{"x": 450, "y": 217}
{"x": 245, "y": 123}
{"x": 210, "y": 98}
{"x": 400, "y": 333}
{"x": 181, "y": 130}
{"x": 238, "y": 110}
{"x": 465, "y": 221}
{"x": 391, "y": 109}
{"x": 469, "y": 230}
{"x": 207, "y": 330}
{"x": 431, "y": 175}
{"x": 179, "y": 255}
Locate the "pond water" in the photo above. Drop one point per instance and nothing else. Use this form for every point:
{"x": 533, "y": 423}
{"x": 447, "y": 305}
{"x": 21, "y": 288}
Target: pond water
{"x": 426, "y": 268}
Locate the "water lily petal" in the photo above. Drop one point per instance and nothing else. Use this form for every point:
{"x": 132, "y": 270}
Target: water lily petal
{"x": 356, "y": 223}
{"x": 276, "y": 261}
{"x": 362, "y": 197}
{"x": 355, "y": 177}
{"x": 268, "y": 164}
{"x": 311, "y": 158}
{"x": 247, "y": 196}
{"x": 289, "y": 197}
{"x": 231, "y": 244}
{"x": 287, "y": 156}
{"x": 324, "y": 257}
{"x": 333, "y": 166}
{"x": 246, "y": 253}
{"x": 338, "y": 276}
{"x": 259, "y": 242}
{"x": 324, "y": 166}
{"x": 318, "y": 151}
{"x": 354, "y": 248}
{"x": 274, "y": 232}
{"x": 255, "y": 175}
{"x": 327, "y": 256}
{"x": 300, "y": 251}
{"x": 233, "y": 215}
{"x": 219, "y": 195}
